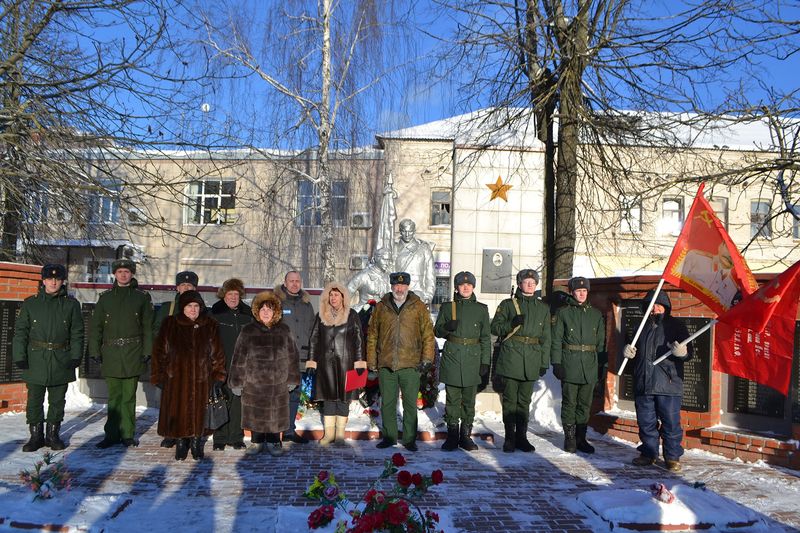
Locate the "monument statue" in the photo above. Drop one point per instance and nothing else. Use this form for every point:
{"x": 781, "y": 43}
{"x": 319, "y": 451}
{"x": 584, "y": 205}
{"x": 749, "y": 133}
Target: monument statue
{"x": 415, "y": 257}
{"x": 372, "y": 282}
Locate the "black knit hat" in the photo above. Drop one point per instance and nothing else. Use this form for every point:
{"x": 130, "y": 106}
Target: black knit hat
{"x": 464, "y": 277}
{"x": 403, "y": 278}
{"x": 187, "y": 276}
{"x": 578, "y": 282}
{"x": 54, "y": 271}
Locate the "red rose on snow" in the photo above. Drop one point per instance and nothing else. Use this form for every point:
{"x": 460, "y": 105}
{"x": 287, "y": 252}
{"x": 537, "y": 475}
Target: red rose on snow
{"x": 416, "y": 479}
{"x": 404, "y": 478}
{"x": 398, "y": 459}
{"x": 397, "y": 512}
{"x": 437, "y": 476}
{"x": 322, "y": 476}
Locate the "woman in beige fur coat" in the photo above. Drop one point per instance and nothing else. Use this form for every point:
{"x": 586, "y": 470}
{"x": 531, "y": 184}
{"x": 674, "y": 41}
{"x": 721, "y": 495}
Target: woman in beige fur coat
{"x": 336, "y": 346}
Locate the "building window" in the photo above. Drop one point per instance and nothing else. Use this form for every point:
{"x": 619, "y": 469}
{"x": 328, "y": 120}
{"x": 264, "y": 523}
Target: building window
{"x": 441, "y": 294}
{"x": 760, "y": 225}
{"x": 796, "y": 223}
{"x": 211, "y": 201}
{"x": 36, "y": 208}
{"x": 671, "y": 216}
{"x": 440, "y": 208}
{"x": 308, "y": 200}
{"x": 720, "y": 207}
{"x": 103, "y": 209}
{"x": 98, "y": 271}
{"x": 630, "y": 215}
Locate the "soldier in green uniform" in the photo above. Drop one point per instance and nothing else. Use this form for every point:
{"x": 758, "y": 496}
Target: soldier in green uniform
{"x": 121, "y": 336}
{"x": 184, "y": 281}
{"x": 464, "y": 322}
{"x": 523, "y": 325}
{"x": 47, "y": 347}
{"x": 579, "y": 338}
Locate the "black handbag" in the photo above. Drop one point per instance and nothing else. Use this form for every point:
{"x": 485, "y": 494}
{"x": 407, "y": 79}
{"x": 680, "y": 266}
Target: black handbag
{"x": 216, "y": 410}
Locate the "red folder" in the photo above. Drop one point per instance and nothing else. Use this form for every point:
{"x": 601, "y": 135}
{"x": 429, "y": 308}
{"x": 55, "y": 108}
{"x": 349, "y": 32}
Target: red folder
{"x": 353, "y": 381}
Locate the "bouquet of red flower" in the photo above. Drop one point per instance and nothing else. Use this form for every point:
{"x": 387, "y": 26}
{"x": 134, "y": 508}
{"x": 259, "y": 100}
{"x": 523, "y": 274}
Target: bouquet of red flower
{"x": 48, "y": 476}
{"x": 391, "y": 510}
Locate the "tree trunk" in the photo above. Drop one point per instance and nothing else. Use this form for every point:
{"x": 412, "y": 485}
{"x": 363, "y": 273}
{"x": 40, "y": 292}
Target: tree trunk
{"x": 324, "y": 177}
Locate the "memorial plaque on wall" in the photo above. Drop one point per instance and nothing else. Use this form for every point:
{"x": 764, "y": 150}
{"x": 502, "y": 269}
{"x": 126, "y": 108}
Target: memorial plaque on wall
{"x": 795, "y": 387}
{"x": 9, "y": 309}
{"x": 89, "y": 369}
{"x": 696, "y": 371}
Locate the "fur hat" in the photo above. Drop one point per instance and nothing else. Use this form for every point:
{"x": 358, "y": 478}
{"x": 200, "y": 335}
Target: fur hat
{"x": 54, "y": 271}
{"x": 464, "y": 277}
{"x": 402, "y": 278}
{"x": 267, "y": 298}
{"x": 578, "y": 282}
{"x": 525, "y": 274}
{"x": 123, "y": 263}
{"x": 189, "y": 297}
{"x": 233, "y": 284}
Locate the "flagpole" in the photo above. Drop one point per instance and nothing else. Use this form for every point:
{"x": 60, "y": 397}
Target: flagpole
{"x": 641, "y": 324}
{"x": 687, "y": 341}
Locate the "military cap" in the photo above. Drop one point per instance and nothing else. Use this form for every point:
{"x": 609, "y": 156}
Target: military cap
{"x": 464, "y": 277}
{"x": 527, "y": 273}
{"x": 187, "y": 276}
{"x": 123, "y": 263}
{"x": 578, "y": 282}
{"x": 403, "y": 278}
{"x": 54, "y": 271}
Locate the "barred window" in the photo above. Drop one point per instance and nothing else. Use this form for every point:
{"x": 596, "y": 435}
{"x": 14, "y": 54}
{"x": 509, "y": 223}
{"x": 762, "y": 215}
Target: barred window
{"x": 440, "y": 208}
{"x": 308, "y": 201}
{"x": 630, "y": 214}
{"x": 760, "y": 225}
{"x": 211, "y": 201}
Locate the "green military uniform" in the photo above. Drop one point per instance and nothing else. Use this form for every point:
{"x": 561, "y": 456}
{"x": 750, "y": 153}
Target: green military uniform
{"x": 524, "y": 358}
{"x": 48, "y": 343}
{"x": 166, "y": 309}
{"x": 466, "y": 349}
{"x": 121, "y": 335}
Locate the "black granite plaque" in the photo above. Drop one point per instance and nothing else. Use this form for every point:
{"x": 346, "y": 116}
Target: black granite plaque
{"x": 795, "y": 388}
{"x": 696, "y": 371}
{"x": 89, "y": 369}
{"x": 9, "y": 309}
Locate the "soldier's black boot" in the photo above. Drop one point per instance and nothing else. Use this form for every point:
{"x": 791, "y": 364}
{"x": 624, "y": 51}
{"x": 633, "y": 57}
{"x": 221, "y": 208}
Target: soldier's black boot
{"x": 452, "y": 438}
{"x": 37, "y": 438}
{"x": 522, "y": 436}
{"x": 509, "y": 445}
{"x": 465, "y": 440}
{"x": 53, "y": 438}
{"x": 570, "y": 445}
{"x": 583, "y": 444}
{"x": 197, "y": 448}
{"x": 181, "y": 449}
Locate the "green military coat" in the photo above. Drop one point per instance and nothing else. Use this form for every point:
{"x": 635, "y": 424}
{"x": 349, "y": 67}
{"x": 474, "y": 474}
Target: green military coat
{"x": 121, "y": 331}
{"x": 54, "y": 319}
{"x": 469, "y": 346}
{"x": 579, "y": 338}
{"x": 528, "y": 351}
{"x": 166, "y": 309}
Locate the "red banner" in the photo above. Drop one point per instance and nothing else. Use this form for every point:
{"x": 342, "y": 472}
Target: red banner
{"x": 705, "y": 262}
{"x": 755, "y": 339}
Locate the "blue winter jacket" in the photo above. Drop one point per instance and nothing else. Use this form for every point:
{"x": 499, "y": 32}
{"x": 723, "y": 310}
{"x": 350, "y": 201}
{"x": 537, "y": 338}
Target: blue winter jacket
{"x": 665, "y": 378}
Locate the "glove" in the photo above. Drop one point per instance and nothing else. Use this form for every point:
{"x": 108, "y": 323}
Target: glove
{"x": 22, "y": 365}
{"x": 558, "y": 371}
{"x": 146, "y": 359}
{"x": 372, "y": 375}
{"x": 76, "y": 363}
{"x": 217, "y": 387}
{"x": 311, "y": 372}
{"x": 423, "y": 367}
{"x": 629, "y": 351}
{"x": 237, "y": 391}
{"x": 679, "y": 350}
{"x": 518, "y": 320}
{"x": 360, "y": 371}
{"x": 484, "y": 370}
{"x": 542, "y": 371}
{"x": 451, "y": 326}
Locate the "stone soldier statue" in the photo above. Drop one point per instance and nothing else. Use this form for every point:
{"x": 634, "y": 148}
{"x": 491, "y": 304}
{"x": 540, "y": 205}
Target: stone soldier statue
{"x": 47, "y": 347}
{"x": 464, "y": 322}
{"x": 415, "y": 257}
{"x": 121, "y": 337}
{"x": 372, "y": 282}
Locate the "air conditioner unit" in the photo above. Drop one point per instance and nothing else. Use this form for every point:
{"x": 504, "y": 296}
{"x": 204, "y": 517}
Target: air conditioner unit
{"x": 359, "y": 262}
{"x": 361, "y": 220}
{"x": 136, "y": 217}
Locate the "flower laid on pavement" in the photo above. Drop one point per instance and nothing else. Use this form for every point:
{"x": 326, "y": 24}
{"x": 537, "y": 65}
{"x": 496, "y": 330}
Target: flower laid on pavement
{"x": 49, "y": 475}
{"x": 392, "y": 509}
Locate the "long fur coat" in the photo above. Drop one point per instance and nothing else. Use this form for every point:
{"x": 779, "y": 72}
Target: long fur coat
{"x": 187, "y": 358}
{"x": 265, "y": 364}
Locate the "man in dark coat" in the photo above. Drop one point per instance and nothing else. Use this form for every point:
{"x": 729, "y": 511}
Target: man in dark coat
{"x": 523, "y": 325}
{"x": 658, "y": 389}
{"x": 233, "y": 315}
{"x": 184, "y": 281}
{"x": 298, "y": 314}
{"x": 579, "y": 338}
{"x": 464, "y": 322}
{"x": 47, "y": 347}
{"x": 121, "y": 337}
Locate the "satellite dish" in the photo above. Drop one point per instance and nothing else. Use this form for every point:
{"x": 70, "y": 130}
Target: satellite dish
{"x": 205, "y": 107}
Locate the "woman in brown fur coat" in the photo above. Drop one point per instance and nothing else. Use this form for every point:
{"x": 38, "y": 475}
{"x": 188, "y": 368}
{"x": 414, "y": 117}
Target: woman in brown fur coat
{"x": 337, "y": 345}
{"x": 187, "y": 360}
{"x": 264, "y": 368}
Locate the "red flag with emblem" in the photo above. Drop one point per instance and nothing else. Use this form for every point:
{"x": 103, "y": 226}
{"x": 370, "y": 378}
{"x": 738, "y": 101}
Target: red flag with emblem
{"x": 755, "y": 339}
{"x": 705, "y": 262}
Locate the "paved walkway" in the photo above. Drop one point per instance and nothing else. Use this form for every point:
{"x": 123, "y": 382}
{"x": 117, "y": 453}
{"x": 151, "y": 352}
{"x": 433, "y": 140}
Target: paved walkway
{"x": 487, "y": 490}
